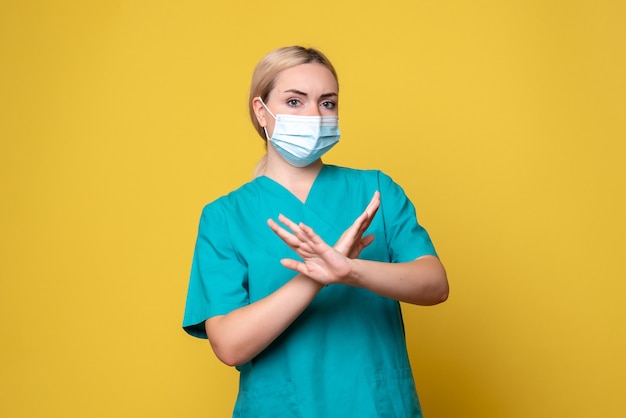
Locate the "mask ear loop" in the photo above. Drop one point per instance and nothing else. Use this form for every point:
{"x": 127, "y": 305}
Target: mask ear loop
{"x": 266, "y": 108}
{"x": 270, "y": 112}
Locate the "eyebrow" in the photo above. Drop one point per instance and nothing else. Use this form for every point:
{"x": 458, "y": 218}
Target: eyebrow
{"x": 323, "y": 96}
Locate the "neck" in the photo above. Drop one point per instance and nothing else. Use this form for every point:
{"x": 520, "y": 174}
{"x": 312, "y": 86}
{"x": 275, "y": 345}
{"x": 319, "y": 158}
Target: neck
{"x": 298, "y": 180}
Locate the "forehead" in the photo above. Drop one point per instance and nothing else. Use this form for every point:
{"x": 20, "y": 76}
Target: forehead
{"x": 309, "y": 78}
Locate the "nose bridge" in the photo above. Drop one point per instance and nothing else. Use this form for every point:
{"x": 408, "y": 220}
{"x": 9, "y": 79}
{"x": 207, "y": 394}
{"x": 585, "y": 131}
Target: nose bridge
{"x": 313, "y": 109}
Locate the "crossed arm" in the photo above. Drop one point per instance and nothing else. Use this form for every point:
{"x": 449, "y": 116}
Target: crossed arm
{"x": 243, "y": 333}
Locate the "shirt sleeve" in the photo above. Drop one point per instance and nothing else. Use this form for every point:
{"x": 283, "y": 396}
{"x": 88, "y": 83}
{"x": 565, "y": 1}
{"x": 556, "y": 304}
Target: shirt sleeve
{"x": 406, "y": 238}
{"x": 218, "y": 281}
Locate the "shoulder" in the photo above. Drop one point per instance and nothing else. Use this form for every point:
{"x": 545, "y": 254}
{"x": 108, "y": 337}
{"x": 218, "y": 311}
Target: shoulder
{"x": 355, "y": 175}
{"x": 242, "y": 195}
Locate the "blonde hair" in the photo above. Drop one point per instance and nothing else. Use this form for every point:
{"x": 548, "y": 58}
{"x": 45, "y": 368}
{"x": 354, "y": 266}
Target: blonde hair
{"x": 265, "y": 74}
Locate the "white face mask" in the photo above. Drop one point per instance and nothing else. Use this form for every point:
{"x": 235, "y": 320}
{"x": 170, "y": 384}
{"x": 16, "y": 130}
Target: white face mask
{"x": 302, "y": 140}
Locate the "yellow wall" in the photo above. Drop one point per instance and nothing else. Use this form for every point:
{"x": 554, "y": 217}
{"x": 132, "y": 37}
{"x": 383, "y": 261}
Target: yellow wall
{"x": 504, "y": 121}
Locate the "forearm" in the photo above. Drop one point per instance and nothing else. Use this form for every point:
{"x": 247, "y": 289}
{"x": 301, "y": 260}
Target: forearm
{"x": 240, "y": 335}
{"x": 420, "y": 282}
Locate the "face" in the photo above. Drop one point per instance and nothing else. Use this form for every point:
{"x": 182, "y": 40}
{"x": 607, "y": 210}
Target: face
{"x": 304, "y": 90}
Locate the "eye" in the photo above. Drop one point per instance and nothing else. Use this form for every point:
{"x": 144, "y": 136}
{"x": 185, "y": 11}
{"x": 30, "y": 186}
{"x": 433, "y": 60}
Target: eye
{"x": 328, "y": 104}
{"x": 293, "y": 102}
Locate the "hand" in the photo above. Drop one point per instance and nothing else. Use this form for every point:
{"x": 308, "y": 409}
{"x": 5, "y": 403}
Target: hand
{"x": 352, "y": 241}
{"x": 321, "y": 262}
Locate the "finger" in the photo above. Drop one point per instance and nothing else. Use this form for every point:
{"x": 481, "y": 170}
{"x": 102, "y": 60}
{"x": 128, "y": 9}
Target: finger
{"x": 354, "y": 233}
{"x": 345, "y": 241}
{"x": 292, "y": 264}
{"x": 364, "y": 227}
{"x": 303, "y": 249}
{"x": 311, "y": 235}
{"x": 283, "y": 234}
{"x": 365, "y": 218}
{"x": 357, "y": 225}
{"x": 367, "y": 240}
{"x": 369, "y": 213}
{"x": 287, "y": 222}
{"x": 374, "y": 203}
{"x": 296, "y": 228}
{"x": 277, "y": 229}
{"x": 350, "y": 236}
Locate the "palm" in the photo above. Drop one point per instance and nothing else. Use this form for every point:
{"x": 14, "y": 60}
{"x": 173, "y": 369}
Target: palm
{"x": 320, "y": 261}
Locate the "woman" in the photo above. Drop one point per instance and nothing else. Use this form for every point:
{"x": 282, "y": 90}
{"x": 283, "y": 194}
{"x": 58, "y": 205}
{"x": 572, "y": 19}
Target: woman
{"x": 307, "y": 307}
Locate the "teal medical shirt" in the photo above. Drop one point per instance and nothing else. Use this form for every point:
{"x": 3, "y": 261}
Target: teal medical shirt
{"x": 345, "y": 355}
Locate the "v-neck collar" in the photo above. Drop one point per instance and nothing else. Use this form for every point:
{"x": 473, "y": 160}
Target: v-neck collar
{"x": 314, "y": 186}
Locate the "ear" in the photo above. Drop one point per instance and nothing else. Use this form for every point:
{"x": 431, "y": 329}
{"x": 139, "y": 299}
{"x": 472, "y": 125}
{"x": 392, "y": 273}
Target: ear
{"x": 259, "y": 111}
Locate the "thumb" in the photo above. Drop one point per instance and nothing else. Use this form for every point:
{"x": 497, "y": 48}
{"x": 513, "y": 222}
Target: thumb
{"x": 289, "y": 263}
{"x": 367, "y": 240}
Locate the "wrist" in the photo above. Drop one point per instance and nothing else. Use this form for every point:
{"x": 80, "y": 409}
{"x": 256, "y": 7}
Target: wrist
{"x": 310, "y": 283}
{"x": 353, "y": 278}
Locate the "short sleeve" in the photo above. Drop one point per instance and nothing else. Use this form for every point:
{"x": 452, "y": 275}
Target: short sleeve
{"x": 406, "y": 238}
{"x": 218, "y": 280}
